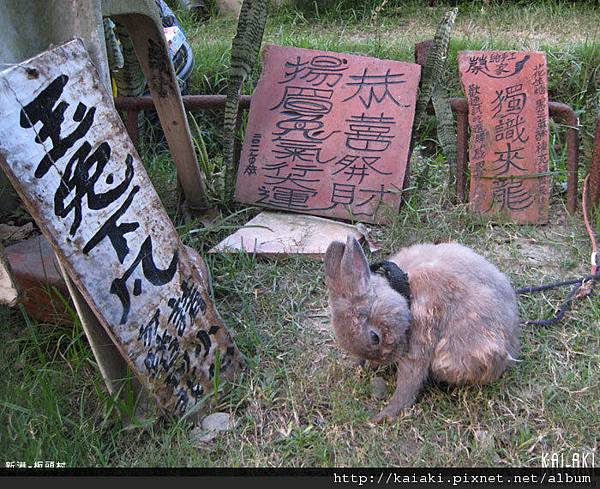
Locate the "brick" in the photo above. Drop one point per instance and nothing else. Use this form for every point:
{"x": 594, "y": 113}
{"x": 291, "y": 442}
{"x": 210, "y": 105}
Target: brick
{"x": 43, "y": 292}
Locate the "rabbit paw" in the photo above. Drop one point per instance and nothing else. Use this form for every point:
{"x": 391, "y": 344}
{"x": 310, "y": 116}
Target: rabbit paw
{"x": 387, "y": 415}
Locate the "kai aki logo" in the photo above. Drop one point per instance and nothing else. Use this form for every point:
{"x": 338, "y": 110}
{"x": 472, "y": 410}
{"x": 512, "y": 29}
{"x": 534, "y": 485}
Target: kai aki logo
{"x": 575, "y": 460}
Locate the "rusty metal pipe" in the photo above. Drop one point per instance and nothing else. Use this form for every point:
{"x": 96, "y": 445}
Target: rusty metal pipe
{"x": 132, "y": 125}
{"x": 133, "y": 105}
{"x": 190, "y": 102}
{"x": 567, "y": 116}
{"x": 557, "y": 110}
{"x": 594, "y": 182}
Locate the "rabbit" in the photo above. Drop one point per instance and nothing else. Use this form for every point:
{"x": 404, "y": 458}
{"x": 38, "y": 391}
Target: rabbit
{"x": 454, "y": 318}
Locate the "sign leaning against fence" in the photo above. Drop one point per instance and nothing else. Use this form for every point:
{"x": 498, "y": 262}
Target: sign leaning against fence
{"x": 328, "y": 134}
{"x": 507, "y": 96}
{"x": 68, "y": 155}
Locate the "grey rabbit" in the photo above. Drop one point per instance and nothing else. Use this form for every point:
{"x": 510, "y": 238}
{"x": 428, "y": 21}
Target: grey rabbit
{"x": 448, "y": 314}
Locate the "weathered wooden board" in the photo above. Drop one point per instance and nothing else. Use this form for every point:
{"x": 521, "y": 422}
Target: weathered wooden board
{"x": 328, "y": 134}
{"x": 67, "y": 153}
{"x": 508, "y": 115}
{"x": 281, "y": 234}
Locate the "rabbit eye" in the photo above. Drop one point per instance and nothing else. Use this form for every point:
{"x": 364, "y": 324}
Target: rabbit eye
{"x": 374, "y": 337}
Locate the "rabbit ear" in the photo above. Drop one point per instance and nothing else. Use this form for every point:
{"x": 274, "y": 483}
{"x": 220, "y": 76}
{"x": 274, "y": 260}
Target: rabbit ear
{"x": 354, "y": 267}
{"x": 333, "y": 258}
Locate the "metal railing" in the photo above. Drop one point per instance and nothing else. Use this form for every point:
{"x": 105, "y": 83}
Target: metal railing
{"x": 562, "y": 113}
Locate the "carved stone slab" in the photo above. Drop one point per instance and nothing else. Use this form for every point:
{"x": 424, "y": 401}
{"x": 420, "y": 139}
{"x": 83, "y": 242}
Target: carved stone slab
{"x": 328, "y": 134}
{"x": 67, "y": 153}
{"x": 508, "y": 115}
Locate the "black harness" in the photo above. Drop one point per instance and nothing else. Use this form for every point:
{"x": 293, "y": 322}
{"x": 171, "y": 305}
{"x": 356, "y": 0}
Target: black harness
{"x": 396, "y": 277}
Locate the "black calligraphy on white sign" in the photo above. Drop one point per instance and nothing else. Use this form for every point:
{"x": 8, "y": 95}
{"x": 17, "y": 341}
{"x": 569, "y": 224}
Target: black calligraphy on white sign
{"x": 77, "y": 184}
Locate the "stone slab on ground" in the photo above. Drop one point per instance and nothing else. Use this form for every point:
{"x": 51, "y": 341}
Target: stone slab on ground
{"x": 282, "y": 234}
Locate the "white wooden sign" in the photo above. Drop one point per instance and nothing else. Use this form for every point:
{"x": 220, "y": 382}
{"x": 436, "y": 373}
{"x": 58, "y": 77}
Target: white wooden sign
{"x": 67, "y": 153}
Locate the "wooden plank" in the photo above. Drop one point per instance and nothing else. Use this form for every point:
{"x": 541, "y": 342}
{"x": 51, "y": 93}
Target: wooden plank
{"x": 153, "y": 55}
{"x": 68, "y": 155}
{"x": 112, "y": 366}
{"x": 328, "y": 134}
{"x": 508, "y": 115}
{"x": 279, "y": 234}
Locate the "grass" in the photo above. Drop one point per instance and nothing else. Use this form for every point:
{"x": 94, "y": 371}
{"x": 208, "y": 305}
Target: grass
{"x": 302, "y": 401}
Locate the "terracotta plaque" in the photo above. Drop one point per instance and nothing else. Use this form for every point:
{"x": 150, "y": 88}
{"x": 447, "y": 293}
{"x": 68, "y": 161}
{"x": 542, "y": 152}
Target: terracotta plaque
{"x": 508, "y": 116}
{"x": 328, "y": 134}
{"x": 67, "y": 153}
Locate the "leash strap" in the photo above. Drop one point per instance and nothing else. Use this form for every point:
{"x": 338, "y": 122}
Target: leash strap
{"x": 397, "y": 278}
{"x": 564, "y": 307}
{"x": 580, "y": 283}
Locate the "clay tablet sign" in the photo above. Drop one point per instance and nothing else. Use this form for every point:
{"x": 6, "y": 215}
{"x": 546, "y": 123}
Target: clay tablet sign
{"x": 508, "y": 115}
{"x": 328, "y": 134}
{"x": 65, "y": 150}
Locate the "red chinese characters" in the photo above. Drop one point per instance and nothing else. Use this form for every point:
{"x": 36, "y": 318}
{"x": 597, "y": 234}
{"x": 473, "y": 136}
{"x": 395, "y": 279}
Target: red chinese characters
{"x": 508, "y": 115}
{"x": 328, "y": 134}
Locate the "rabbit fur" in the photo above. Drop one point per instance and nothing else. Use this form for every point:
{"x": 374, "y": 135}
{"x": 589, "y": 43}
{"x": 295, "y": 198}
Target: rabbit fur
{"x": 462, "y": 326}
